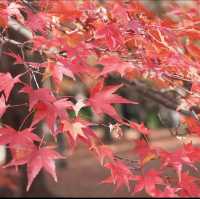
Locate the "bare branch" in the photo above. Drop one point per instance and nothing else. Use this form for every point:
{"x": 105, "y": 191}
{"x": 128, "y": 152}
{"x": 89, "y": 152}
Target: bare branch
{"x": 157, "y": 96}
{"x": 15, "y": 25}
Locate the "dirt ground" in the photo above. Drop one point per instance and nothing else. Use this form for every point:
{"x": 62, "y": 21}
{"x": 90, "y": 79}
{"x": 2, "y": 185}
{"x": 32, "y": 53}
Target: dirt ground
{"x": 83, "y": 174}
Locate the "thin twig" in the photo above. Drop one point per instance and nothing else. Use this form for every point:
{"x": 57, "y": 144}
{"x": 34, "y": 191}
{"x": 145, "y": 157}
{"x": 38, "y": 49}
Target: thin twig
{"x": 25, "y": 119}
{"x": 132, "y": 163}
{"x": 17, "y": 105}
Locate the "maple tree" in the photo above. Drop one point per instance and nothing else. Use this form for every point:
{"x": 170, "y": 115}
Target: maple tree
{"x": 89, "y": 41}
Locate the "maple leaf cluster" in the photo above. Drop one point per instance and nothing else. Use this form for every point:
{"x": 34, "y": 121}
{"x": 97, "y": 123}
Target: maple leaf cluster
{"x": 125, "y": 39}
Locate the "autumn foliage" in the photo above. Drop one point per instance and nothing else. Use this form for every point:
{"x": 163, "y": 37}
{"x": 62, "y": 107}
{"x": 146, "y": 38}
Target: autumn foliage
{"x": 89, "y": 41}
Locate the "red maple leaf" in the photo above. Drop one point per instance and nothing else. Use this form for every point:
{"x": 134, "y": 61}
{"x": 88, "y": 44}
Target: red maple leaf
{"x": 193, "y": 152}
{"x": 45, "y": 111}
{"x": 4, "y": 13}
{"x": 20, "y": 152}
{"x": 120, "y": 174}
{"x": 140, "y": 128}
{"x": 57, "y": 71}
{"x": 65, "y": 10}
{"x": 176, "y": 159}
{"x": 10, "y": 136}
{"x": 114, "y": 64}
{"x": 46, "y": 106}
{"x": 188, "y": 185}
{"x": 194, "y": 50}
{"x": 39, "y": 95}
{"x": 36, "y": 22}
{"x": 101, "y": 99}
{"x": 193, "y": 125}
{"x": 145, "y": 151}
{"x": 192, "y": 33}
{"x": 102, "y": 152}
{"x": 3, "y": 106}
{"x": 119, "y": 12}
{"x": 77, "y": 129}
{"x": 18, "y": 58}
{"x": 75, "y": 66}
{"x": 19, "y": 142}
{"x": 148, "y": 182}
{"x": 51, "y": 111}
{"x": 7, "y": 83}
{"x": 168, "y": 192}
{"x": 109, "y": 35}
{"x": 13, "y": 10}
{"x": 41, "y": 158}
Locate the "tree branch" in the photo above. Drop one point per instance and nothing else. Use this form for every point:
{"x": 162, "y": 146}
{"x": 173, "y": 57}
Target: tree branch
{"x": 157, "y": 96}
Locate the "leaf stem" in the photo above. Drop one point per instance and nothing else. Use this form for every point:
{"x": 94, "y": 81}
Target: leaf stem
{"x": 42, "y": 140}
{"x": 16, "y": 105}
{"x": 25, "y": 119}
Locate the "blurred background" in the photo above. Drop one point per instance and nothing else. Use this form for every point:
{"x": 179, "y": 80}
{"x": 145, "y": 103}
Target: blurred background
{"x": 81, "y": 173}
